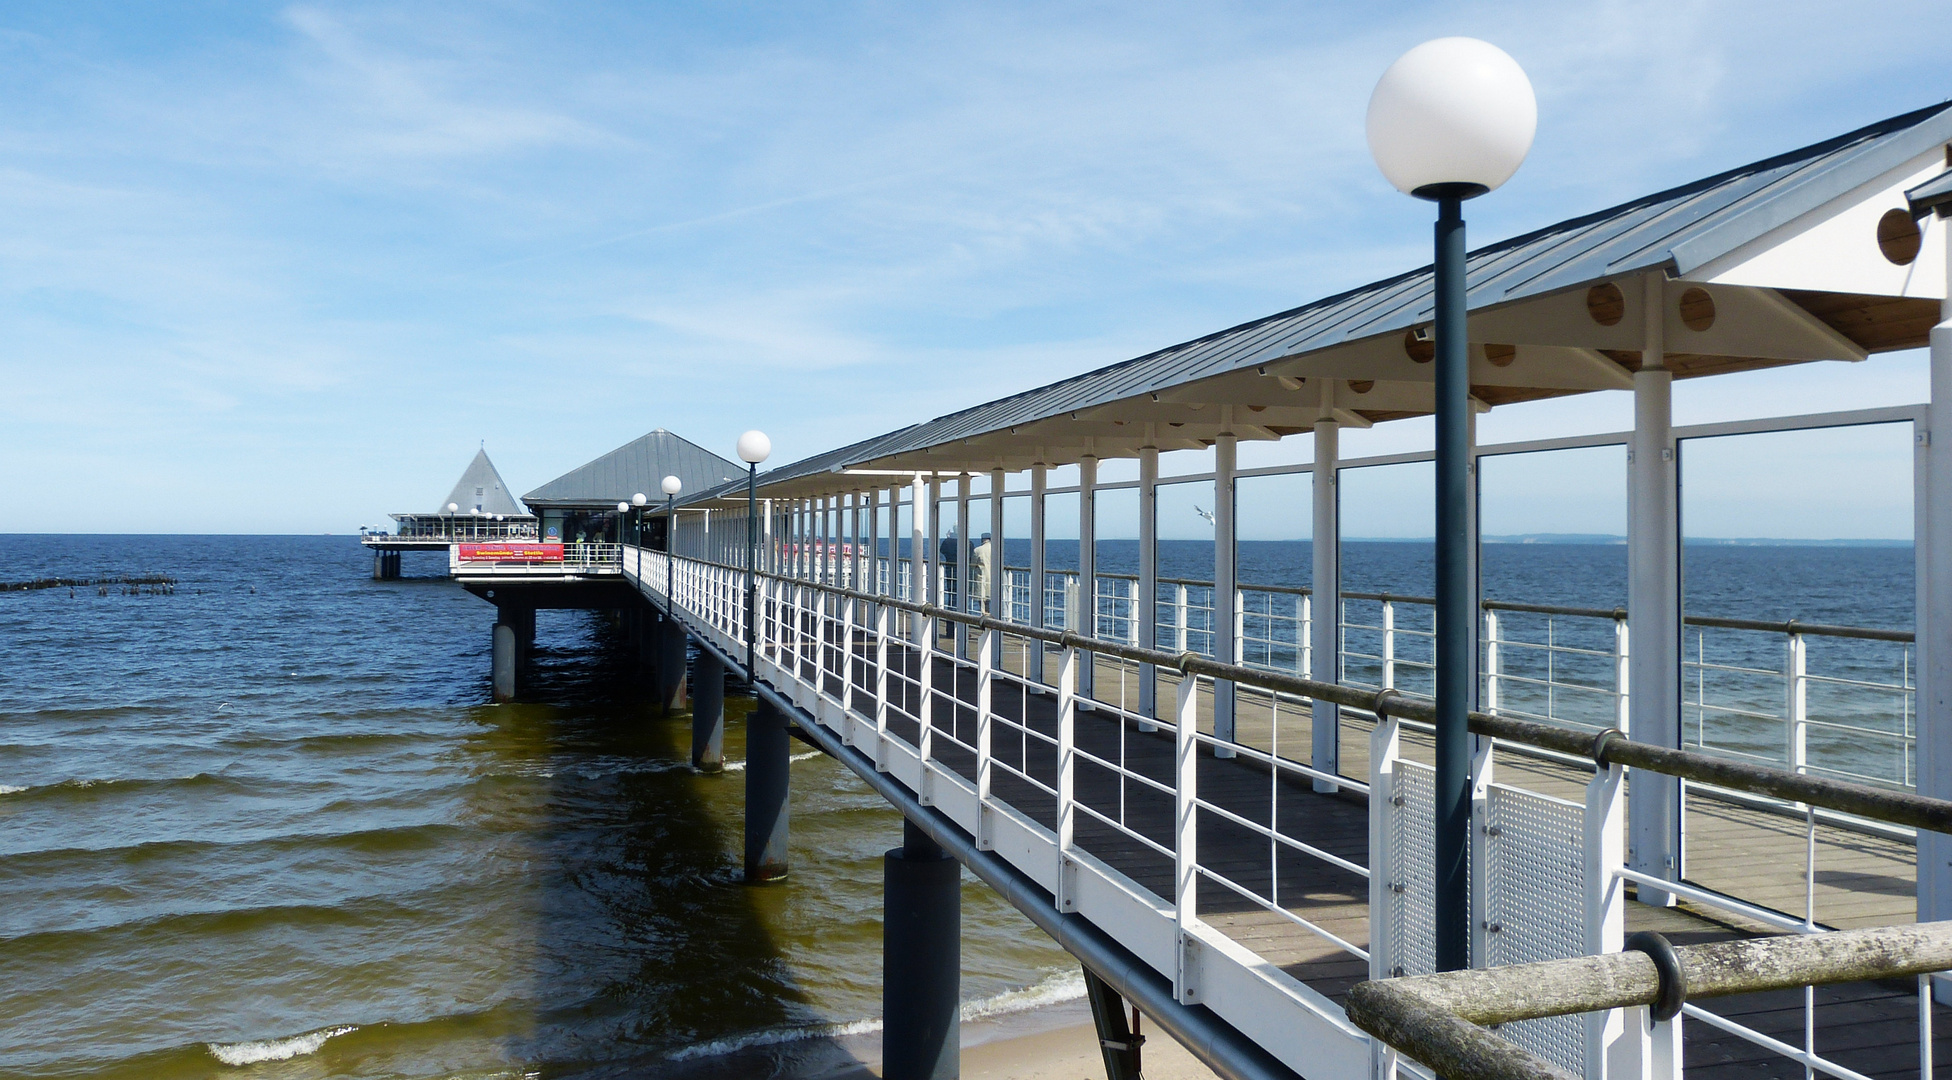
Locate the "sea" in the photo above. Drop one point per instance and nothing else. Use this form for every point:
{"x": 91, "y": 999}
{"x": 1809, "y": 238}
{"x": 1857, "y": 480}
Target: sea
{"x": 265, "y": 822}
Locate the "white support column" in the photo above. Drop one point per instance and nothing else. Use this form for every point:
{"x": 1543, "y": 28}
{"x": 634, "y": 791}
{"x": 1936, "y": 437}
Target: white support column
{"x": 768, "y": 551}
{"x": 934, "y": 555}
{"x": 1087, "y": 566}
{"x": 1934, "y": 617}
{"x": 997, "y": 595}
{"x": 873, "y": 582}
{"x": 1148, "y": 613}
{"x": 918, "y": 512}
{"x": 963, "y": 574}
{"x": 1226, "y": 646}
{"x": 1325, "y": 621}
{"x": 1654, "y": 603}
{"x": 1037, "y": 650}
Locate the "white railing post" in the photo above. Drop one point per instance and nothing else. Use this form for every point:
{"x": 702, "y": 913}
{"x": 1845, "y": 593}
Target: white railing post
{"x": 1067, "y": 722}
{"x": 1797, "y": 711}
{"x": 1389, "y": 644}
{"x": 1491, "y": 670}
{"x": 1622, "y": 670}
{"x": 1179, "y": 618}
{"x": 847, "y": 610}
{"x": 985, "y": 681}
{"x": 1240, "y": 627}
{"x": 1186, "y": 838}
{"x": 1305, "y": 634}
{"x": 925, "y": 704}
{"x": 881, "y": 614}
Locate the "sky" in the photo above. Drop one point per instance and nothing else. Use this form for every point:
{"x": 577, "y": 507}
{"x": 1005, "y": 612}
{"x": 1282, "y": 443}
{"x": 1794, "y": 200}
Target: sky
{"x": 283, "y": 268}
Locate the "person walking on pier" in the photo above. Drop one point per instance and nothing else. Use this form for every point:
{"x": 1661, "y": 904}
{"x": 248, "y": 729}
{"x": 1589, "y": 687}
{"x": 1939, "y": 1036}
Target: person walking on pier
{"x": 979, "y": 578}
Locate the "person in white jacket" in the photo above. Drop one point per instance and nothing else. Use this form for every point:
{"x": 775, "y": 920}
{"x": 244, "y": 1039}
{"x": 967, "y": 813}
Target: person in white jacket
{"x": 979, "y": 576}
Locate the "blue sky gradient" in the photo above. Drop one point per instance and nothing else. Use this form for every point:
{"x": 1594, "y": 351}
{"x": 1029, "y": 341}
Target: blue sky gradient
{"x": 269, "y": 269}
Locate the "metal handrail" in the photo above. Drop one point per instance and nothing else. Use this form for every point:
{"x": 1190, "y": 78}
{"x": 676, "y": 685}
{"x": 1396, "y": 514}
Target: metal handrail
{"x": 1897, "y": 807}
{"x": 1436, "y": 1018}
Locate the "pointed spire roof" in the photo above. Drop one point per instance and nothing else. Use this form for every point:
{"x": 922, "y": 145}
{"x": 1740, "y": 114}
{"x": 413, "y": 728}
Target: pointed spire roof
{"x": 638, "y": 465}
{"x": 480, "y": 488}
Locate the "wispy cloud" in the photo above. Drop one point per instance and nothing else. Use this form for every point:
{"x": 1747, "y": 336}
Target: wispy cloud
{"x": 236, "y": 242}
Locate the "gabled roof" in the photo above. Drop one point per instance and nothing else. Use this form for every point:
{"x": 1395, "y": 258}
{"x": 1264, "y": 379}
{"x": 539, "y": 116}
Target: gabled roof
{"x": 480, "y": 488}
{"x": 1681, "y": 228}
{"x": 637, "y": 466}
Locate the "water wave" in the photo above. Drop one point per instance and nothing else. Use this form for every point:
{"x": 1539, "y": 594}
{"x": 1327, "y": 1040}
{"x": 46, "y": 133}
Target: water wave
{"x": 92, "y": 788}
{"x": 773, "y": 1037}
{"x": 1058, "y": 985}
{"x": 381, "y": 839}
{"x": 251, "y": 1053}
{"x": 356, "y": 911}
{"x": 739, "y": 766}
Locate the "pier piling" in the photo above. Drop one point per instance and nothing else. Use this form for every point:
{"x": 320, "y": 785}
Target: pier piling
{"x": 921, "y": 960}
{"x": 504, "y": 661}
{"x": 768, "y": 785}
{"x": 708, "y": 714}
{"x": 670, "y": 663}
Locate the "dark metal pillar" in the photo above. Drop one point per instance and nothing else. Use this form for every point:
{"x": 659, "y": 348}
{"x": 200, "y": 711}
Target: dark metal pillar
{"x": 670, "y": 664}
{"x": 708, "y": 713}
{"x": 921, "y": 961}
{"x": 1119, "y": 1040}
{"x": 644, "y": 644}
{"x": 504, "y": 656}
{"x": 1456, "y": 614}
{"x": 768, "y": 785}
{"x": 524, "y": 623}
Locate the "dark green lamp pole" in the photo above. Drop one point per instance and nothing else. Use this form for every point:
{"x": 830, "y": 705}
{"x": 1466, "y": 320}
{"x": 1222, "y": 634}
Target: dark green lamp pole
{"x": 1449, "y": 121}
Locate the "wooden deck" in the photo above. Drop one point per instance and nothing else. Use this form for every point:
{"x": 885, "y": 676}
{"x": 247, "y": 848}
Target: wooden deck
{"x": 1870, "y": 1027}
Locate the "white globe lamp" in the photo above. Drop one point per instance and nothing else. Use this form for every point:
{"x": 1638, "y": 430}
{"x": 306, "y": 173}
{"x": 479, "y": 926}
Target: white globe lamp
{"x": 1454, "y": 115}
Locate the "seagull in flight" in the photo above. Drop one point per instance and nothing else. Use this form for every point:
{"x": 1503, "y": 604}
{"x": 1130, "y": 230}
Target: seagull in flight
{"x": 1204, "y": 514}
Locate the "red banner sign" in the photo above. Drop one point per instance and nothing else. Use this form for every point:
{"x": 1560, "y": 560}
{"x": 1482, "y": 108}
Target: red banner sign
{"x": 516, "y": 553}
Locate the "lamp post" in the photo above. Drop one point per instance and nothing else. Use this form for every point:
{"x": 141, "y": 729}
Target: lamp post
{"x": 638, "y": 501}
{"x": 1450, "y": 120}
{"x": 451, "y": 508}
{"x": 671, "y": 485}
{"x": 623, "y": 513}
{"x": 754, "y": 447}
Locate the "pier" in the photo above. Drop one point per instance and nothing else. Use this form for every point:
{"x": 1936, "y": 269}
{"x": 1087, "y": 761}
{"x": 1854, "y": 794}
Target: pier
{"x": 1220, "y": 794}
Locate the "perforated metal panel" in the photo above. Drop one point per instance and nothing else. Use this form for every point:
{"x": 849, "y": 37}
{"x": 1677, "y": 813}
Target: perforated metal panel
{"x": 1413, "y": 860}
{"x": 1535, "y": 899}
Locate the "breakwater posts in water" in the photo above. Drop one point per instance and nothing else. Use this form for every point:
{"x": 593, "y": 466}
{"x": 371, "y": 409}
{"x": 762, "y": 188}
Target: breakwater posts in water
{"x": 129, "y": 584}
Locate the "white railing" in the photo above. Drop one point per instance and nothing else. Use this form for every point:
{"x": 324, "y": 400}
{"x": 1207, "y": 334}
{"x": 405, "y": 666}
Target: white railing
{"x": 1059, "y": 779}
{"x": 1055, "y": 779}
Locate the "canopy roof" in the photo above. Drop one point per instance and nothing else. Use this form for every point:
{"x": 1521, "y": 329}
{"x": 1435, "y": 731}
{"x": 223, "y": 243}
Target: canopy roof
{"x": 1781, "y": 261}
{"x": 480, "y": 488}
{"x": 638, "y": 466}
